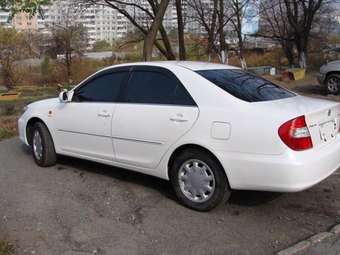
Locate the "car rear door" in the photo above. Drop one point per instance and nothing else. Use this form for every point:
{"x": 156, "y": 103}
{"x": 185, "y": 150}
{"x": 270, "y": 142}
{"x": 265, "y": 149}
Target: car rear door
{"x": 155, "y": 110}
{"x": 83, "y": 126}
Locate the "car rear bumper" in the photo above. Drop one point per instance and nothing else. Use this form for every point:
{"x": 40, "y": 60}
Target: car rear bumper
{"x": 289, "y": 172}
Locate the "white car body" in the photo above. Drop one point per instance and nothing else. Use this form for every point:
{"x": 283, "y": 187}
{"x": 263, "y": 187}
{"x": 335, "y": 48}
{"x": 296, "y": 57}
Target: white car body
{"x": 243, "y": 136}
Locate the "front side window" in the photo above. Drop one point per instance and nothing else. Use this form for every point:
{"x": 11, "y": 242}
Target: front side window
{"x": 103, "y": 88}
{"x": 151, "y": 87}
{"x": 245, "y": 86}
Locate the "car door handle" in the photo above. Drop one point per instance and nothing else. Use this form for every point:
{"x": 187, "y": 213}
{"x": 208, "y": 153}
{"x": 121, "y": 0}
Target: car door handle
{"x": 104, "y": 114}
{"x": 178, "y": 117}
{"x": 178, "y": 120}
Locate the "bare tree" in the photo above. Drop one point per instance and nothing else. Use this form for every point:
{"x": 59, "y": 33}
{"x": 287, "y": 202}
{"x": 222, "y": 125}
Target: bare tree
{"x": 141, "y": 16}
{"x": 180, "y": 29}
{"x": 205, "y": 15}
{"x": 275, "y": 26}
{"x": 69, "y": 37}
{"x": 223, "y": 50}
{"x": 239, "y": 9}
{"x": 300, "y": 16}
{"x": 152, "y": 33}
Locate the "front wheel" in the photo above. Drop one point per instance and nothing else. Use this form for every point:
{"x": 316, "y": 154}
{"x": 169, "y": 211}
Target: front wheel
{"x": 333, "y": 84}
{"x": 199, "y": 180}
{"x": 42, "y": 146}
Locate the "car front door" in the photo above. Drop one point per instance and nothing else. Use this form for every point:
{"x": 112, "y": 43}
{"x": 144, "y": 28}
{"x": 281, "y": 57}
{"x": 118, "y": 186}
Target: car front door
{"x": 155, "y": 110}
{"x": 83, "y": 126}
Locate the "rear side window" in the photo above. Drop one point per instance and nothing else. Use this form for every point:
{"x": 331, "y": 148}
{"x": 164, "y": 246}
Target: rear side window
{"x": 245, "y": 86}
{"x": 152, "y": 87}
{"x": 103, "y": 88}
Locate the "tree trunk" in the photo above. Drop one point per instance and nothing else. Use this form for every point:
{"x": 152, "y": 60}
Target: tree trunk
{"x": 169, "y": 54}
{"x": 301, "y": 46}
{"x": 223, "y": 44}
{"x": 211, "y": 33}
{"x": 224, "y": 57}
{"x": 288, "y": 51}
{"x": 68, "y": 65}
{"x": 180, "y": 27}
{"x": 150, "y": 38}
{"x": 302, "y": 59}
{"x": 241, "y": 55}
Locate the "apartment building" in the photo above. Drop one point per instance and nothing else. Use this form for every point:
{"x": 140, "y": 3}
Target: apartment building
{"x": 101, "y": 22}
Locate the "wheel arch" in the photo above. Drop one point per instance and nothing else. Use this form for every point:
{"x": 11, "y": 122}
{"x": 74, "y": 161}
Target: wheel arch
{"x": 330, "y": 73}
{"x": 189, "y": 146}
{"x": 30, "y": 124}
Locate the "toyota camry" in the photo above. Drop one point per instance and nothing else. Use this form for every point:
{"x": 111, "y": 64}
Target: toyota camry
{"x": 207, "y": 128}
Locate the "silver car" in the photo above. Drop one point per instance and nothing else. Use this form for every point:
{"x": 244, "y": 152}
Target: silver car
{"x": 329, "y": 76}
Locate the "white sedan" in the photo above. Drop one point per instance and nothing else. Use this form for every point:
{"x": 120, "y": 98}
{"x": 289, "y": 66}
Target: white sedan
{"x": 208, "y": 128}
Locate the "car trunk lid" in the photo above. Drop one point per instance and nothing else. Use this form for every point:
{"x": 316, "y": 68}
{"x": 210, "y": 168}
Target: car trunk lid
{"x": 322, "y": 116}
{"x": 324, "y": 124}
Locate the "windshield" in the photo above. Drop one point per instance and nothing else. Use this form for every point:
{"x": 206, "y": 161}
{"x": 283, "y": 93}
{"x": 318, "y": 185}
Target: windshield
{"x": 245, "y": 86}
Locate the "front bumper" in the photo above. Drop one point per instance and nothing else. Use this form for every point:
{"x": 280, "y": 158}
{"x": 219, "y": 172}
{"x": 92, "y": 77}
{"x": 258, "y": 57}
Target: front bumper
{"x": 22, "y": 129}
{"x": 289, "y": 172}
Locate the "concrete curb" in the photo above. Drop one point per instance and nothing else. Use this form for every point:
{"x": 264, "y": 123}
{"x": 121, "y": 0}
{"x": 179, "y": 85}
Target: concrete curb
{"x": 303, "y": 246}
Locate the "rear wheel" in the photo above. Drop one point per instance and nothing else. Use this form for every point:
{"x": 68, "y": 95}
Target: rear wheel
{"x": 333, "y": 84}
{"x": 199, "y": 180}
{"x": 42, "y": 146}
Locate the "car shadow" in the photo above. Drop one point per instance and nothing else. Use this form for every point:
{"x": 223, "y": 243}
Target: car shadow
{"x": 160, "y": 185}
{"x": 249, "y": 198}
{"x": 238, "y": 197}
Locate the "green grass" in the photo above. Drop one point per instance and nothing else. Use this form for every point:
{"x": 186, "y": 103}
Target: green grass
{"x": 6, "y": 248}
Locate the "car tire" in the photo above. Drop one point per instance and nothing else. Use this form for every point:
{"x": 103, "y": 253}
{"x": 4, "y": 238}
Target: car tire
{"x": 333, "y": 84}
{"x": 42, "y": 146}
{"x": 199, "y": 180}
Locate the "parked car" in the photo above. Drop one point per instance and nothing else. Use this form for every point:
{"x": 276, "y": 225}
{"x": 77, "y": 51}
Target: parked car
{"x": 208, "y": 128}
{"x": 329, "y": 77}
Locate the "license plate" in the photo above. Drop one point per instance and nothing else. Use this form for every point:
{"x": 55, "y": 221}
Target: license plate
{"x": 328, "y": 130}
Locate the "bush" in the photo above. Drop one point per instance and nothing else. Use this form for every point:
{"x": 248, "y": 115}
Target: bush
{"x": 273, "y": 57}
{"x": 82, "y": 68}
{"x": 102, "y": 46}
{"x": 46, "y": 69}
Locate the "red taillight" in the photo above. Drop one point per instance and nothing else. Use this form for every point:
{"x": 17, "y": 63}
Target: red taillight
{"x": 295, "y": 134}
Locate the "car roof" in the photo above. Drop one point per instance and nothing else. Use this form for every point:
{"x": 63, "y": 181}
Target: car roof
{"x": 191, "y": 65}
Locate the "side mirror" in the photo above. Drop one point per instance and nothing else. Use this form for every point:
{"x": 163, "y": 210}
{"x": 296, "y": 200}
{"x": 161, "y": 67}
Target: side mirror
{"x": 64, "y": 97}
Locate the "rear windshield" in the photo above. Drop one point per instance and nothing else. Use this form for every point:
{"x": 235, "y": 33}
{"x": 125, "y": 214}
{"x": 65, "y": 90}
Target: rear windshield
{"x": 245, "y": 86}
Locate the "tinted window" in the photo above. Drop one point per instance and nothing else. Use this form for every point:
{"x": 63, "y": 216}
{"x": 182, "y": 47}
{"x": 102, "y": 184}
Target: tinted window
{"x": 149, "y": 87}
{"x": 245, "y": 86}
{"x": 104, "y": 88}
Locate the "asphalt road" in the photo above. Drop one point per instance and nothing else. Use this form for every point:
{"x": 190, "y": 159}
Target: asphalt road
{"x": 78, "y": 207}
